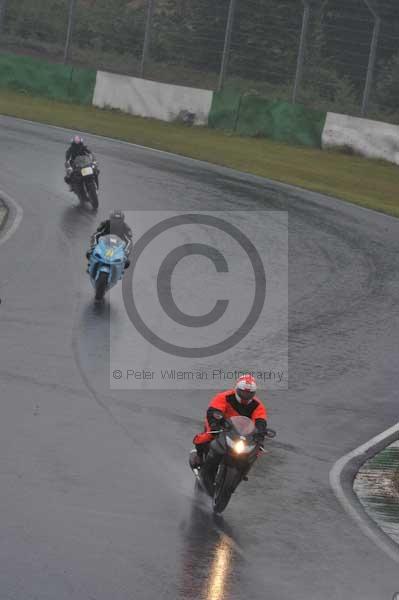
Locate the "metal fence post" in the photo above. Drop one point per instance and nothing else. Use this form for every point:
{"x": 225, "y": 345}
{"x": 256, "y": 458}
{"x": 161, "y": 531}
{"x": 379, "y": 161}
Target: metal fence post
{"x": 227, "y": 44}
{"x": 70, "y": 28}
{"x": 302, "y": 47}
{"x": 3, "y": 5}
{"x": 147, "y": 36}
{"x": 372, "y": 56}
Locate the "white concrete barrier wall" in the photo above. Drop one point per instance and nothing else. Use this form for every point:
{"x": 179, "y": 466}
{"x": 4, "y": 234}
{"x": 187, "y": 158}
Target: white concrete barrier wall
{"x": 372, "y": 139}
{"x": 165, "y": 102}
{"x": 151, "y": 99}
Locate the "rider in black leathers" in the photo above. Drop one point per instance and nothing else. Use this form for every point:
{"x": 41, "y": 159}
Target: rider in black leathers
{"x": 115, "y": 225}
{"x": 77, "y": 148}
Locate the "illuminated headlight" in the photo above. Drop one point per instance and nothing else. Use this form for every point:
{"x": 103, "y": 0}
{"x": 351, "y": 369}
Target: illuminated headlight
{"x": 240, "y": 447}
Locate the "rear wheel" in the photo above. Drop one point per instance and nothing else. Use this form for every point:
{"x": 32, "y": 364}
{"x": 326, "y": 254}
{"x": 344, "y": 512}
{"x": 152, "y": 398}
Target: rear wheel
{"x": 92, "y": 193}
{"x": 227, "y": 480}
{"x": 101, "y": 285}
{"x": 78, "y": 189}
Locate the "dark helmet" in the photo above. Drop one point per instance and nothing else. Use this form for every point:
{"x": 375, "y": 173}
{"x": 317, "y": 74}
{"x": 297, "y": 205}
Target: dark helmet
{"x": 117, "y": 215}
{"x": 77, "y": 140}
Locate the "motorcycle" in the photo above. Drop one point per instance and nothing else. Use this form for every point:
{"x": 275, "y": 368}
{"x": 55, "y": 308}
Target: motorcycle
{"x": 106, "y": 264}
{"x": 84, "y": 179}
{"x": 230, "y": 457}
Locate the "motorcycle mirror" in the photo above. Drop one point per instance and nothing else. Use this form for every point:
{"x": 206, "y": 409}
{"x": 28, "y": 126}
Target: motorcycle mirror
{"x": 272, "y": 434}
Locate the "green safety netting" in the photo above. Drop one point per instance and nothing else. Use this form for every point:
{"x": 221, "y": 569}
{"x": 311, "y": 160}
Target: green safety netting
{"x": 258, "y": 117}
{"x": 224, "y": 110}
{"x": 39, "y": 78}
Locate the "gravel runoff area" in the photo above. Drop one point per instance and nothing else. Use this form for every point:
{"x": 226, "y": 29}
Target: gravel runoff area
{"x": 3, "y": 213}
{"x": 377, "y": 487}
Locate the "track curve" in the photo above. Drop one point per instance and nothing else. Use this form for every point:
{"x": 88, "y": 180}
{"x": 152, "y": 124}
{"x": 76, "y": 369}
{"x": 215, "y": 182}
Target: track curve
{"x": 97, "y": 500}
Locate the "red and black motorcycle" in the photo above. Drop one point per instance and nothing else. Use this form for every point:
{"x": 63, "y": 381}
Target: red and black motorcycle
{"x": 230, "y": 457}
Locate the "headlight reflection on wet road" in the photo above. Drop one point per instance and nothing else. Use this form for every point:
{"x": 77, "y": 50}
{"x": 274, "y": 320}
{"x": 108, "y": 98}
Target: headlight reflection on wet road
{"x": 220, "y": 569}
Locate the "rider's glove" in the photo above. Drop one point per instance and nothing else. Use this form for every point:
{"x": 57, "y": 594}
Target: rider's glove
{"x": 216, "y": 426}
{"x": 88, "y": 254}
{"x": 259, "y": 437}
{"x": 215, "y": 419}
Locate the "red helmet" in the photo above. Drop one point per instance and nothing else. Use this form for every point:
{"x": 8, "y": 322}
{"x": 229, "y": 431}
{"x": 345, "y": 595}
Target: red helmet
{"x": 245, "y": 388}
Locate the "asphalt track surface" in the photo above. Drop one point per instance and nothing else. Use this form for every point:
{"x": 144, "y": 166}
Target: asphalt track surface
{"x": 96, "y": 497}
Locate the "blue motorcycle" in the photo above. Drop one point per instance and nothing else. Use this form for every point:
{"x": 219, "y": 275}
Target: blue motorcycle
{"x": 107, "y": 264}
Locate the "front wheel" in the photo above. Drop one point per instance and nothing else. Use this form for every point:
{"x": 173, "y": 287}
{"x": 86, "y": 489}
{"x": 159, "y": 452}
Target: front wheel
{"x": 227, "y": 480}
{"x": 101, "y": 285}
{"x": 92, "y": 193}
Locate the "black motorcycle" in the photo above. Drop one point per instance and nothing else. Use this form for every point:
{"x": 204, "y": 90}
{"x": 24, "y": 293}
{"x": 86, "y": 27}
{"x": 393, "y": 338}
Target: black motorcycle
{"x": 230, "y": 457}
{"x": 84, "y": 179}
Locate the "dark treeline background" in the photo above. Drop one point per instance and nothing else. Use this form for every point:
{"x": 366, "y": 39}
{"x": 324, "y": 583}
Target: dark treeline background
{"x": 187, "y": 42}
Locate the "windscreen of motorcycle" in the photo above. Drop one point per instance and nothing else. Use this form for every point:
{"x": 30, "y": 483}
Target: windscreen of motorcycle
{"x": 82, "y": 161}
{"x": 243, "y": 425}
{"x": 111, "y": 248}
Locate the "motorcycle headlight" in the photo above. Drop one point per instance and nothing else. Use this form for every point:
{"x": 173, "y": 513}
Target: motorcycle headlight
{"x": 240, "y": 447}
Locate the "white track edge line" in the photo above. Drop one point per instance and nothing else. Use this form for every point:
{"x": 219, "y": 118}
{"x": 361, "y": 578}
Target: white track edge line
{"x": 9, "y": 231}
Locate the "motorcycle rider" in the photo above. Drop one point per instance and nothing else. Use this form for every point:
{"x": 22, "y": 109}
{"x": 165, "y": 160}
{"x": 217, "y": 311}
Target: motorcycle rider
{"x": 115, "y": 225}
{"x": 241, "y": 400}
{"x": 77, "y": 148}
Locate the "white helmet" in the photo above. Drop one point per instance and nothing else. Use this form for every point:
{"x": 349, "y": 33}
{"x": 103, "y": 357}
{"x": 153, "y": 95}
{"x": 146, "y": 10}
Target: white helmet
{"x": 245, "y": 388}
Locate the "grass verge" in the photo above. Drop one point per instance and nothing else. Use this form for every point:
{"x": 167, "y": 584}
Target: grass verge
{"x": 373, "y": 184}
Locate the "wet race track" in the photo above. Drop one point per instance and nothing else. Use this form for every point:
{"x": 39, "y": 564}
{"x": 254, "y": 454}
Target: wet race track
{"x": 97, "y": 500}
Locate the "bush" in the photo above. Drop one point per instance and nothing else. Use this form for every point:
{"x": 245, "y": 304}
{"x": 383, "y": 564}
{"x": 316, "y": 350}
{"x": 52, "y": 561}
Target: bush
{"x": 323, "y": 88}
{"x": 388, "y": 85}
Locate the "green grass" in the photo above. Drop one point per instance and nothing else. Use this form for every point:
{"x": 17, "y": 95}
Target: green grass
{"x": 374, "y": 184}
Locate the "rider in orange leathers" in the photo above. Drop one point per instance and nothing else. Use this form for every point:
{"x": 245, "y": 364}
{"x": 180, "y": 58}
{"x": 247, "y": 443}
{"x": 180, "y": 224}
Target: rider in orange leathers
{"x": 242, "y": 401}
